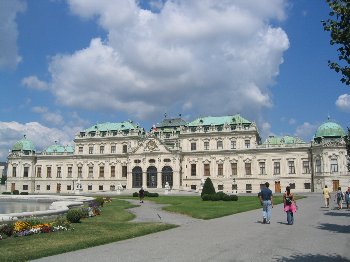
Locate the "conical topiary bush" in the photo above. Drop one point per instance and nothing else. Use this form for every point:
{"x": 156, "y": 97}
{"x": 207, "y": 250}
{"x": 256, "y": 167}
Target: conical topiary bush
{"x": 208, "y": 187}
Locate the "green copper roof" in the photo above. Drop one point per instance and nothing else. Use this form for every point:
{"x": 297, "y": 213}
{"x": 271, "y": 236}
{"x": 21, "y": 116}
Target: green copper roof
{"x": 24, "y": 145}
{"x": 275, "y": 140}
{"x": 126, "y": 125}
{"x": 330, "y": 129}
{"x": 59, "y": 149}
{"x": 219, "y": 120}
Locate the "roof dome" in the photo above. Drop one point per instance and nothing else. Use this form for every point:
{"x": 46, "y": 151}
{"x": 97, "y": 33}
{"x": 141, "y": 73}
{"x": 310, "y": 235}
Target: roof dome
{"x": 24, "y": 145}
{"x": 59, "y": 149}
{"x": 330, "y": 129}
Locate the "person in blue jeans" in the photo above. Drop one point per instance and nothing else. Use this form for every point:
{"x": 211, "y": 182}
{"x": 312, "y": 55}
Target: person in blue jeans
{"x": 266, "y": 200}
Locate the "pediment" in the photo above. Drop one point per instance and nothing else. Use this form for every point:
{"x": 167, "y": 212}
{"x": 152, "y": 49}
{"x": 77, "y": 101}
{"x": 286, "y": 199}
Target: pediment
{"x": 151, "y": 145}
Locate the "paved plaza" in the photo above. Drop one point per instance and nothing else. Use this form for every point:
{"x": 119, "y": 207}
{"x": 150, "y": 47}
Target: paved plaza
{"x": 319, "y": 234}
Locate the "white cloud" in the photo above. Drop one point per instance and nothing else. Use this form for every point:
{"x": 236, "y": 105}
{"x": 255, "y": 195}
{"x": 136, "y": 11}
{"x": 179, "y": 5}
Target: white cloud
{"x": 343, "y": 102}
{"x": 306, "y": 131}
{"x": 292, "y": 121}
{"x": 42, "y": 136}
{"x": 34, "y": 83}
{"x": 9, "y": 57}
{"x": 50, "y": 117}
{"x": 207, "y": 57}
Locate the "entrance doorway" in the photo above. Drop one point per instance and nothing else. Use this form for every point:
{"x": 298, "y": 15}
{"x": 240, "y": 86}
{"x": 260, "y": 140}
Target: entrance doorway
{"x": 335, "y": 185}
{"x": 277, "y": 187}
{"x": 58, "y": 188}
{"x": 137, "y": 177}
{"x": 152, "y": 177}
{"x": 167, "y": 176}
{"x": 13, "y": 187}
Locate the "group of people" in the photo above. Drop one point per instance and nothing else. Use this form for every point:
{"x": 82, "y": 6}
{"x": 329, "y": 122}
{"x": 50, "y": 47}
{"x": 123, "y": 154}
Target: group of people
{"x": 266, "y": 200}
{"x": 339, "y": 197}
{"x": 289, "y": 203}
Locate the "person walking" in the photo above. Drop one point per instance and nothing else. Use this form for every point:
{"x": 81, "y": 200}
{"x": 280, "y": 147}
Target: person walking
{"x": 326, "y": 196}
{"x": 141, "y": 194}
{"x": 339, "y": 197}
{"x": 289, "y": 205}
{"x": 266, "y": 200}
{"x": 347, "y": 198}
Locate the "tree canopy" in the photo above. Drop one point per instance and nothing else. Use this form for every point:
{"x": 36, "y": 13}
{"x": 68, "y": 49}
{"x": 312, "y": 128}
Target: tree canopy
{"x": 347, "y": 141}
{"x": 339, "y": 26}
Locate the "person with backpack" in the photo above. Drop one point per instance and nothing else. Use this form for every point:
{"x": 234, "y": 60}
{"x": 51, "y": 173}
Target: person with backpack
{"x": 340, "y": 198}
{"x": 347, "y": 198}
{"x": 289, "y": 205}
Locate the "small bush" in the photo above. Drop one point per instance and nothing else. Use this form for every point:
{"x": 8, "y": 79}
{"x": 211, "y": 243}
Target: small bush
{"x": 61, "y": 221}
{"x": 206, "y": 197}
{"x": 74, "y": 215}
{"x": 84, "y": 212}
{"x": 135, "y": 194}
{"x": 100, "y": 201}
{"x": 153, "y": 195}
{"x": 15, "y": 192}
{"x": 6, "y": 193}
{"x": 234, "y": 197}
{"x": 220, "y": 195}
{"x": 226, "y": 198}
{"x": 208, "y": 187}
{"x": 7, "y": 229}
{"x": 24, "y": 193}
{"x": 215, "y": 197}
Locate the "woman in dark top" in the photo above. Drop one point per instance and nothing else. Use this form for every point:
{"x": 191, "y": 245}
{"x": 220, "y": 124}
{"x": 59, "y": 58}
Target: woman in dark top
{"x": 141, "y": 194}
{"x": 289, "y": 205}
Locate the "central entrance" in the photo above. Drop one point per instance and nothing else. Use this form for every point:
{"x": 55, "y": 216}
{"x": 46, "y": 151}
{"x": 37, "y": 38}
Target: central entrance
{"x": 167, "y": 176}
{"x": 152, "y": 177}
{"x": 137, "y": 177}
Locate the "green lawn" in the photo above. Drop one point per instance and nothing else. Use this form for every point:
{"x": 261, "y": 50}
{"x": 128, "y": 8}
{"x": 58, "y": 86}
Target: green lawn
{"x": 195, "y": 207}
{"x": 109, "y": 227}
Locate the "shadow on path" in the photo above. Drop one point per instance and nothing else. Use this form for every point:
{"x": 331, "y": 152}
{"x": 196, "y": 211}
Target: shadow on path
{"x": 335, "y": 228}
{"x": 312, "y": 258}
{"x": 337, "y": 214}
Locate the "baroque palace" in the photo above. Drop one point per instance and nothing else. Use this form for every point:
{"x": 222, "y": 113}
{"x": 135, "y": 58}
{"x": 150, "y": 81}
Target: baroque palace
{"x": 228, "y": 149}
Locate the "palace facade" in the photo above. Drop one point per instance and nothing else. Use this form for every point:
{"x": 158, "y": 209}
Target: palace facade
{"x": 228, "y": 149}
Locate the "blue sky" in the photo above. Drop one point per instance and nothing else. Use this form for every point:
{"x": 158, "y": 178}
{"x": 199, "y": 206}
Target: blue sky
{"x": 68, "y": 64}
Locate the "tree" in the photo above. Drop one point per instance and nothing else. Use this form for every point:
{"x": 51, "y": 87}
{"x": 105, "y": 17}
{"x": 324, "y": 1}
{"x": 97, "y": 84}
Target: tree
{"x": 208, "y": 187}
{"x": 347, "y": 141}
{"x": 339, "y": 26}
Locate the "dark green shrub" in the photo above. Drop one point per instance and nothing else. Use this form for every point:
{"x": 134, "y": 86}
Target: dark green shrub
{"x": 7, "y": 229}
{"x": 100, "y": 201}
{"x": 220, "y": 195}
{"x": 146, "y": 193}
{"x": 24, "y": 193}
{"x": 215, "y": 197}
{"x": 234, "y": 197}
{"x": 15, "y": 192}
{"x": 153, "y": 195}
{"x": 227, "y": 198}
{"x": 135, "y": 194}
{"x": 206, "y": 197}
{"x": 208, "y": 187}
{"x": 3, "y": 180}
{"x": 6, "y": 193}
{"x": 84, "y": 212}
{"x": 74, "y": 215}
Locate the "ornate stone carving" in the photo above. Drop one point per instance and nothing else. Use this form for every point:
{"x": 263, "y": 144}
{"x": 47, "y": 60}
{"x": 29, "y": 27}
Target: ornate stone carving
{"x": 151, "y": 145}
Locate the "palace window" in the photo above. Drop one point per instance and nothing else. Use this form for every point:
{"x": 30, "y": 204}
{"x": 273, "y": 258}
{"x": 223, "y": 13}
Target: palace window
{"x": 233, "y": 144}
{"x": 193, "y": 187}
{"x": 248, "y": 169}
{"x": 38, "y": 171}
{"x": 247, "y": 143}
{"x": 234, "y": 169}
{"x": 113, "y": 149}
{"x": 220, "y": 169}
{"x": 91, "y": 150}
{"x": 37, "y": 187}
{"x": 193, "y": 169}
{"x": 276, "y": 168}
{"x": 48, "y": 187}
{"x": 124, "y": 171}
{"x": 334, "y": 165}
{"x": 91, "y": 171}
{"x": 291, "y": 167}
{"x": 306, "y": 167}
{"x": 80, "y": 150}
{"x": 69, "y": 171}
{"x": 248, "y": 188}
{"x": 112, "y": 171}
{"x": 102, "y": 171}
{"x": 219, "y": 145}
{"x": 69, "y": 187}
{"x": 25, "y": 171}
{"x": 25, "y": 187}
{"x": 89, "y": 187}
{"x": 262, "y": 168}
{"x": 220, "y": 187}
{"x": 80, "y": 171}
{"x": 307, "y": 186}
{"x": 206, "y": 169}
{"x": 193, "y": 146}
{"x": 59, "y": 174}
{"x": 48, "y": 172}
{"x": 318, "y": 165}
{"x": 292, "y": 185}
{"x": 14, "y": 172}
{"x": 100, "y": 187}
{"x": 102, "y": 149}
{"x": 206, "y": 145}
{"x": 125, "y": 149}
